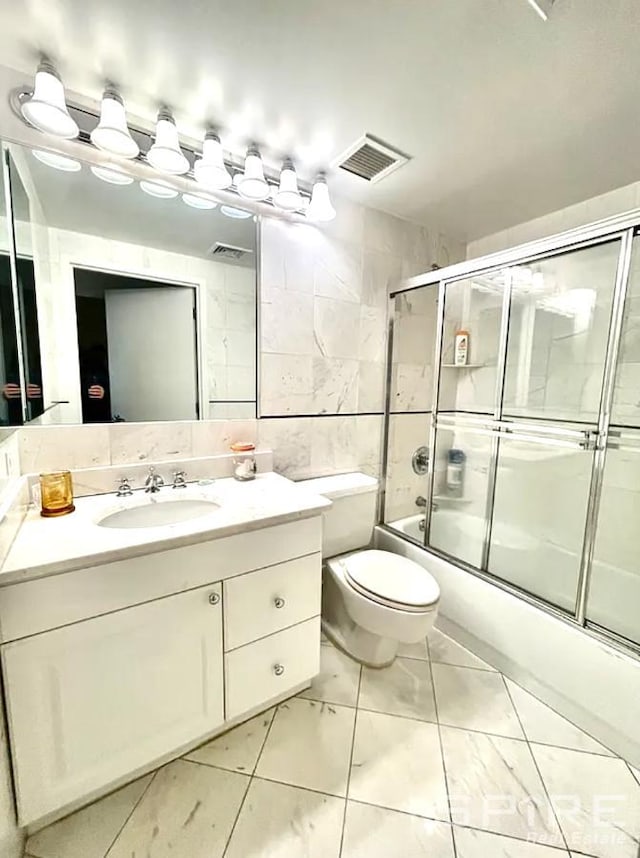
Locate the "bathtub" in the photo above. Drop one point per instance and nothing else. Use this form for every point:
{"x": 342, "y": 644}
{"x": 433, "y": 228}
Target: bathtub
{"x": 552, "y": 658}
{"x": 540, "y": 567}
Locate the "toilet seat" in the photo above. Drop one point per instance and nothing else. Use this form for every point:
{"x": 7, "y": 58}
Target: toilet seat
{"x": 391, "y": 580}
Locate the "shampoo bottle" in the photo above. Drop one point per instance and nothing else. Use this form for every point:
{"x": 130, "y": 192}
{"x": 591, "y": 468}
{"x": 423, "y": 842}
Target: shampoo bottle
{"x": 461, "y": 348}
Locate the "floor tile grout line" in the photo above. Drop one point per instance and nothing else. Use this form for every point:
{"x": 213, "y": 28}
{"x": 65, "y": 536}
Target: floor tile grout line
{"x": 633, "y": 774}
{"x": 353, "y": 743}
{"x": 250, "y": 780}
{"x": 235, "y": 821}
{"x": 133, "y": 810}
{"x": 444, "y": 765}
{"x": 522, "y": 738}
{"x": 535, "y": 763}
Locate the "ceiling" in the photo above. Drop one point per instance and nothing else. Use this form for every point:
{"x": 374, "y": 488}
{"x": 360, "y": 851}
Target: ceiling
{"x": 507, "y": 117}
{"x": 82, "y": 203}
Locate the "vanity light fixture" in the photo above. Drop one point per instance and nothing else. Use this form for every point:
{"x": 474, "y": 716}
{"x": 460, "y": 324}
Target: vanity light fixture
{"x": 111, "y": 134}
{"x": 231, "y": 211}
{"x": 210, "y": 170}
{"x": 159, "y": 189}
{"x": 198, "y": 202}
{"x": 112, "y": 175}
{"x": 58, "y": 162}
{"x": 320, "y": 208}
{"x": 252, "y": 183}
{"x": 46, "y": 108}
{"x": 287, "y": 196}
{"x": 165, "y": 154}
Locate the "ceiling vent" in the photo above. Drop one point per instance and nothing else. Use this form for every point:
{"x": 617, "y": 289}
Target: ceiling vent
{"x": 370, "y": 159}
{"x": 228, "y": 251}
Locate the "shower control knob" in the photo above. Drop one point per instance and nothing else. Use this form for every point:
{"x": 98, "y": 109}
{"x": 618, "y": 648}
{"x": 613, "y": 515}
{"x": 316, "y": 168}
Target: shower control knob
{"x": 214, "y": 598}
{"x": 278, "y": 602}
{"x": 278, "y": 669}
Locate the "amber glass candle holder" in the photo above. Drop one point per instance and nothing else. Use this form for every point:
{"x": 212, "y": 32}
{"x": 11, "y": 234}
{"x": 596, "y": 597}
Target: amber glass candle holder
{"x": 57, "y": 494}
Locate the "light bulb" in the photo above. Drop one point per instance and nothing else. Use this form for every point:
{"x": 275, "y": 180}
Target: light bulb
{"x": 112, "y": 175}
{"x": 320, "y": 208}
{"x": 210, "y": 170}
{"x": 159, "y": 189}
{"x": 111, "y": 134}
{"x": 287, "y": 196}
{"x": 198, "y": 202}
{"x": 252, "y": 183}
{"x": 231, "y": 211}
{"x": 47, "y": 108}
{"x": 165, "y": 154}
{"x": 58, "y": 162}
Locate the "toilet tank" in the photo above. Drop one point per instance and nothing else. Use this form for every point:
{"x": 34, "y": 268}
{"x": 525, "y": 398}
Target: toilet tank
{"x": 348, "y": 524}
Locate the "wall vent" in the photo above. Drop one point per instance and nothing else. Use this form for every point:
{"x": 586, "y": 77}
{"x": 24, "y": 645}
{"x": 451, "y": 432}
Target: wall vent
{"x": 228, "y": 251}
{"x": 370, "y": 159}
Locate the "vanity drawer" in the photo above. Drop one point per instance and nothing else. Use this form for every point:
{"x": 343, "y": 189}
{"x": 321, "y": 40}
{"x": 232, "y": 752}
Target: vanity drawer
{"x": 266, "y": 668}
{"x": 263, "y": 602}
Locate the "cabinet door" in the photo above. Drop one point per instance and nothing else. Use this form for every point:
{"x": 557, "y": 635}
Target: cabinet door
{"x": 94, "y": 701}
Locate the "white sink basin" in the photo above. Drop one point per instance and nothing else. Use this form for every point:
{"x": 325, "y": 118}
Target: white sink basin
{"x": 159, "y": 513}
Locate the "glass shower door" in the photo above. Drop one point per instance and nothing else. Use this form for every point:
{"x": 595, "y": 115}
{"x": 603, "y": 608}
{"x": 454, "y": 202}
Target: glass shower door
{"x": 614, "y": 589}
{"x": 411, "y": 390}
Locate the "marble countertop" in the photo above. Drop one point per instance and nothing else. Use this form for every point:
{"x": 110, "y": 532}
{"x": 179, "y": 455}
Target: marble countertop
{"x": 49, "y": 546}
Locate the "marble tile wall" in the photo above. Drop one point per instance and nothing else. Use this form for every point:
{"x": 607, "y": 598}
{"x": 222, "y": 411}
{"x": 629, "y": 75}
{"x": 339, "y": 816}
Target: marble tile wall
{"x": 324, "y": 307}
{"x": 101, "y": 445}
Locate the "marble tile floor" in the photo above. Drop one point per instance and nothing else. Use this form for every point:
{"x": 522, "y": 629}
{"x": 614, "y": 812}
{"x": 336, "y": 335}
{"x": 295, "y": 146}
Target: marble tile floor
{"x": 437, "y": 756}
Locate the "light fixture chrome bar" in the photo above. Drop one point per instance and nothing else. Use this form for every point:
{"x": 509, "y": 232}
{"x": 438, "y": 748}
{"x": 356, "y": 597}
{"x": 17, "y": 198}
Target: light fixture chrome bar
{"x": 435, "y": 393}
{"x": 18, "y": 96}
{"x": 606, "y": 402}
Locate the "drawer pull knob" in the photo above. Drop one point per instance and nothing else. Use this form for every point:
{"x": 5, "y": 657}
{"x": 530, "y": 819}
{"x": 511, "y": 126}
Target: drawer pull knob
{"x": 214, "y": 598}
{"x": 278, "y": 602}
{"x": 278, "y": 669}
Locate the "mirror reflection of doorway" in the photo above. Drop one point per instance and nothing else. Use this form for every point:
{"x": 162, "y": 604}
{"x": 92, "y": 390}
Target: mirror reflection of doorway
{"x": 137, "y": 347}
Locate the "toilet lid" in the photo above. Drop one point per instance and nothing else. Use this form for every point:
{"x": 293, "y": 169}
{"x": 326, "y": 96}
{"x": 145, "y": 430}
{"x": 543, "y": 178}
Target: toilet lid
{"x": 392, "y": 578}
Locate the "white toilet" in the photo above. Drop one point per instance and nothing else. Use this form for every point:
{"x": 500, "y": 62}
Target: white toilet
{"x": 372, "y": 601}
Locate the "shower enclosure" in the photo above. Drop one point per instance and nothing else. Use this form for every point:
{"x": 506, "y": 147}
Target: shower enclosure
{"x": 521, "y": 463}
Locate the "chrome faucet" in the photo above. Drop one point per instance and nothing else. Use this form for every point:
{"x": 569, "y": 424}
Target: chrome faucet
{"x": 154, "y": 482}
{"x": 179, "y": 481}
{"x": 421, "y": 501}
{"x": 124, "y": 488}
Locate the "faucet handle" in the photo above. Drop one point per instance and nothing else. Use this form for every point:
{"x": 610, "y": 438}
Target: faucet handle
{"x": 179, "y": 481}
{"x": 124, "y": 487}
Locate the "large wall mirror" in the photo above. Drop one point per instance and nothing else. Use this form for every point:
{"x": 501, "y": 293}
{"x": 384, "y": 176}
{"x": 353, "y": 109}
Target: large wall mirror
{"x": 121, "y": 305}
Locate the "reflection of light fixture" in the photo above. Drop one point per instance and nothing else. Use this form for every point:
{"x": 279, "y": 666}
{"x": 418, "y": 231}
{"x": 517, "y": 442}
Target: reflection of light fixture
{"x": 58, "y": 162}
{"x": 230, "y": 211}
{"x": 159, "y": 189}
{"x": 210, "y": 170}
{"x": 287, "y": 196}
{"x": 198, "y": 202}
{"x": 252, "y": 183}
{"x": 320, "y": 208}
{"x": 111, "y": 133}
{"x": 47, "y": 108}
{"x": 113, "y": 175}
{"x": 165, "y": 154}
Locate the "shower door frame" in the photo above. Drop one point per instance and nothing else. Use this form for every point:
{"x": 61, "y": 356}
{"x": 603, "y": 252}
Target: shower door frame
{"x": 620, "y": 228}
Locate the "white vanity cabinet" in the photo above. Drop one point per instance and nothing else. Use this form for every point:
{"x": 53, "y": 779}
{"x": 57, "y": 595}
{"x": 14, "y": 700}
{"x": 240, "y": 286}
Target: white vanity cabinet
{"x": 112, "y": 669}
{"x": 93, "y": 700}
